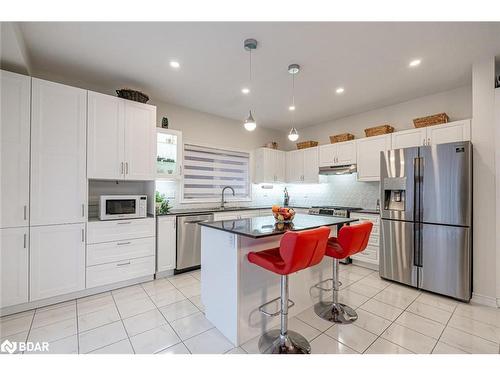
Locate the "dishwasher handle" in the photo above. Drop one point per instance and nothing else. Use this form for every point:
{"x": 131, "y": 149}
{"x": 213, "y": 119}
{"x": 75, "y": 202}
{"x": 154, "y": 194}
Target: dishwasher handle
{"x": 195, "y": 221}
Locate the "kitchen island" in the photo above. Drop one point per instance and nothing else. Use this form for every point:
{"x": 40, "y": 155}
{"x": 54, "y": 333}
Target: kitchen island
{"x": 232, "y": 289}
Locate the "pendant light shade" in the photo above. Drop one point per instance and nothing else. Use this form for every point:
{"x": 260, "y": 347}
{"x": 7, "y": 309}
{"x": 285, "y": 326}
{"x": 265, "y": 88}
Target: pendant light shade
{"x": 250, "y": 45}
{"x": 250, "y": 123}
{"x": 293, "y": 135}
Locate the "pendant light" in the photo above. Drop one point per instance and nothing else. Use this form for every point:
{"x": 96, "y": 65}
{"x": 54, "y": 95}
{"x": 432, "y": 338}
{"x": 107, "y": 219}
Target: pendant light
{"x": 250, "y": 45}
{"x": 293, "y": 69}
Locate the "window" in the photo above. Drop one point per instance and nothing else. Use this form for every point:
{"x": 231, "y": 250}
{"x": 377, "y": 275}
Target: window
{"x": 207, "y": 170}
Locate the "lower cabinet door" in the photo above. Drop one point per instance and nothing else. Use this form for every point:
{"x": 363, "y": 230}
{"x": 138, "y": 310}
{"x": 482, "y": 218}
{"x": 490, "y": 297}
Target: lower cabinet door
{"x": 115, "y": 272}
{"x": 13, "y": 266}
{"x": 57, "y": 264}
{"x": 166, "y": 243}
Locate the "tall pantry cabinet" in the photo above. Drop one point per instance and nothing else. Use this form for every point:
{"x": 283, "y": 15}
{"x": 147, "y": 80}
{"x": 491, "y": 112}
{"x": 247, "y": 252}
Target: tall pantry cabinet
{"x": 14, "y": 189}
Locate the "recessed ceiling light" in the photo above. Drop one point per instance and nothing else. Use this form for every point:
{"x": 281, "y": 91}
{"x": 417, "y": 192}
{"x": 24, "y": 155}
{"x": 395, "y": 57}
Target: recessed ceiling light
{"x": 291, "y": 108}
{"x": 245, "y": 90}
{"x": 339, "y": 90}
{"x": 415, "y": 63}
{"x": 175, "y": 64}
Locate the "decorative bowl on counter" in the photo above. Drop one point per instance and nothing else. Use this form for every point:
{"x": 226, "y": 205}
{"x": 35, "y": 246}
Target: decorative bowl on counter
{"x": 283, "y": 214}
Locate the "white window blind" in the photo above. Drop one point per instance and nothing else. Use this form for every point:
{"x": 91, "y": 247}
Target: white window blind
{"x": 208, "y": 170}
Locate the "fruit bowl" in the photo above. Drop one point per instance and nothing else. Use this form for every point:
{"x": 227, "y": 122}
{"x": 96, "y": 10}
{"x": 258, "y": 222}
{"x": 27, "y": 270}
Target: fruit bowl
{"x": 283, "y": 214}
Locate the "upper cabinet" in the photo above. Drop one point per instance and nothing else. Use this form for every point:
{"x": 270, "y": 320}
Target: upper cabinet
{"x": 121, "y": 138}
{"x": 342, "y": 153}
{"x": 58, "y": 153}
{"x": 302, "y": 165}
{"x": 270, "y": 166}
{"x": 432, "y": 135}
{"x": 368, "y": 156}
{"x": 168, "y": 153}
{"x": 15, "y": 149}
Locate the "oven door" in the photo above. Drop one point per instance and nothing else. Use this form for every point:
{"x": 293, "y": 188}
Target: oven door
{"x": 119, "y": 207}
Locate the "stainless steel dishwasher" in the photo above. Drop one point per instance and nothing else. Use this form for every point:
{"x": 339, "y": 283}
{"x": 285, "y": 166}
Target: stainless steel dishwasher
{"x": 189, "y": 241}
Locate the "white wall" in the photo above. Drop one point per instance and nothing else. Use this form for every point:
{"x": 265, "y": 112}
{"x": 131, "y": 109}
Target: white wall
{"x": 204, "y": 128}
{"x": 456, "y": 103}
{"x": 13, "y": 53}
{"x": 497, "y": 164}
{"x": 484, "y": 195}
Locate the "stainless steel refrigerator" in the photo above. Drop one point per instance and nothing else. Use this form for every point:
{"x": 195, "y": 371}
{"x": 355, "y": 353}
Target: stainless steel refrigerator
{"x": 426, "y": 211}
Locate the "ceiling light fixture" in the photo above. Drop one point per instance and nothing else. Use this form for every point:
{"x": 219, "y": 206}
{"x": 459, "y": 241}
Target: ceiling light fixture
{"x": 175, "y": 64}
{"x": 293, "y": 69}
{"x": 245, "y": 90}
{"x": 340, "y": 90}
{"x": 414, "y": 63}
{"x": 249, "y": 44}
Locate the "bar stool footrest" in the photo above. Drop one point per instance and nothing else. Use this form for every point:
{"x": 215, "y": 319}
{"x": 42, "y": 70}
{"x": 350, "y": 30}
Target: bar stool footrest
{"x": 318, "y": 285}
{"x": 276, "y": 313}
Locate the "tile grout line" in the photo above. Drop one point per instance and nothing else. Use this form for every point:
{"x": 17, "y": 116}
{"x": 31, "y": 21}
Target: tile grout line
{"x": 123, "y": 324}
{"x": 77, "y": 328}
{"x": 445, "y": 326}
{"x": 29, "y": 330}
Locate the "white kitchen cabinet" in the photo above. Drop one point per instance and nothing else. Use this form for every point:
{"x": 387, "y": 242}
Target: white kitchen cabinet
{"x": 302, "y": 165}
{"x": 342, "y": 153}
{"x": 140, "y": 141}
{"x": 57, "y": 260}
{"x": 106, "y": 135}
{"x": 14, "y": 245}
{"x": 455, "y": 131}
{"x": 108, "y": 252}
{"x": 368, "y": 156}
{"x": 15, "y": 149}
{"x": 169, "y": 151}
{"x": 270, "y": 166}
{"x": 58, "y": 154}
{"x": 115, "y": 272}
{"x": 371, "y": 253}
{"x": 166, "y": 243}
{"x": 432, "y": 135}
{"x": 121, "y": 138}
{"x": 120, "y": 230}
{"x": 409, "y": 138}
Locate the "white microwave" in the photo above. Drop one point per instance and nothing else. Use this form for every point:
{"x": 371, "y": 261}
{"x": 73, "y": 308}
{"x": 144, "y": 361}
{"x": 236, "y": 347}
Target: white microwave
{"x": 113, "y": 207}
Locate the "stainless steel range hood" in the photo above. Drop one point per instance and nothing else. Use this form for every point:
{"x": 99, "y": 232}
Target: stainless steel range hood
{"x": 338, "y": 169}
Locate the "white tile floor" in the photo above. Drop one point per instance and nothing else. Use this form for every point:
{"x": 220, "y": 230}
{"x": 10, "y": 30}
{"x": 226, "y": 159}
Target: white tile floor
{"x": 166, "y": 316}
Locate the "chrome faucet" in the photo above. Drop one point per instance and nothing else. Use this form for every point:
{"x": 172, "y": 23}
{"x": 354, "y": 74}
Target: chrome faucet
{"x": 222, "y": 198}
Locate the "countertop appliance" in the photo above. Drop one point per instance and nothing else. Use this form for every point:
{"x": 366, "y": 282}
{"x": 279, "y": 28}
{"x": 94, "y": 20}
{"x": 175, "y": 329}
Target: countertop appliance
{"x": 334, "y": 211}
{"x": 113, "y": 207}
{"x": 189, "y": 241}
{"x": 426, "y": 231}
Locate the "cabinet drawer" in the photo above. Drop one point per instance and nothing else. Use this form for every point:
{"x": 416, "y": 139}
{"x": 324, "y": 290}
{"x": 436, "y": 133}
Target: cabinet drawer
{"x": 110, "y": 273}
{"x": 118, "y": 230}
{"x": 373, "y": 240}
{"x": 108, "y": 252}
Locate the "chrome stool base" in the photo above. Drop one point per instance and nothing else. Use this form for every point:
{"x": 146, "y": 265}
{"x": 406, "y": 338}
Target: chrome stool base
{"x": 335, "y": 312}
{"x": 293, "y": 343}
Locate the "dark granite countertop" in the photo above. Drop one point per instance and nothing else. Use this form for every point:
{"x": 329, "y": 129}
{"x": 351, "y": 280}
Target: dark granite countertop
{"x": 264, "y": 226}
{"x": 195, "y": 211}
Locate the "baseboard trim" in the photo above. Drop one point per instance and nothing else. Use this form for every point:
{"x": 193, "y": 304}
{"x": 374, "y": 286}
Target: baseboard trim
{"x": 485, "y": 300}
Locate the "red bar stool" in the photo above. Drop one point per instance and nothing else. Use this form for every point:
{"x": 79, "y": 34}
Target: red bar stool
{"x": 351, "y": 239}
{"x": 297, "y": 250}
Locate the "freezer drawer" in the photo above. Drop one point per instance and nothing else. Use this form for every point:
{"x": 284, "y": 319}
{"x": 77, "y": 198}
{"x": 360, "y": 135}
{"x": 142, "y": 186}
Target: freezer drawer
{"x": 396, "y": 252}
{"x": 446, "y": 261}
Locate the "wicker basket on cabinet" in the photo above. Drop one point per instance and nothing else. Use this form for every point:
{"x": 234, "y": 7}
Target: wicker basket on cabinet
{"x": 306, "y": 144}
{"x": 439, "y": 118}
{"x": 341, "y": 138}
{"x": 379, "y": 130}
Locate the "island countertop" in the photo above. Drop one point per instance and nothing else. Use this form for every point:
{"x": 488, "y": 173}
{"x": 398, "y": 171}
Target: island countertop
{"x": 264, "y": 226}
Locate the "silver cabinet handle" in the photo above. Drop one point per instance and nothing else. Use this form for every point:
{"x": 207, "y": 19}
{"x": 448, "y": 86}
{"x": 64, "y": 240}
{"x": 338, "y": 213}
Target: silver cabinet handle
{"x": 121, "y": 167}
{"x": 25, "y": 212}
{"x": 83, "y": 209}
{"x": 123, "y": 264}
{"x": 25, "y": 237}
{"x": 126, "y": 167}
{"x": 83, "y": 235}
{"x": 180, "y": 170}
{"x": 123, "y": 243}
{"x": 428, "y": 141}
{"x": 124, "y": 222}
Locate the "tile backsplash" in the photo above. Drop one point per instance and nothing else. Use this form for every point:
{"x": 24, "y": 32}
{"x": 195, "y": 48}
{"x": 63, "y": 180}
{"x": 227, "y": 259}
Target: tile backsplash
{"x": 342, "y": 190}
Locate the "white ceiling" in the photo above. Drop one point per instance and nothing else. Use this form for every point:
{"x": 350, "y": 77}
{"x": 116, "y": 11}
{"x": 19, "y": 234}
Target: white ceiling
{"x": 369, "y": 59}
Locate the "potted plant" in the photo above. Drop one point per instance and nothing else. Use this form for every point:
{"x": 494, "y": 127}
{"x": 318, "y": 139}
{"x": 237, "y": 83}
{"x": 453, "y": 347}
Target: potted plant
{"x": 161, "y": 204}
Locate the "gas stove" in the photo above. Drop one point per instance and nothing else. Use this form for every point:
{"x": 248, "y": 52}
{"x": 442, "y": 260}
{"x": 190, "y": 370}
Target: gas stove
{"x": 341, "y": 211}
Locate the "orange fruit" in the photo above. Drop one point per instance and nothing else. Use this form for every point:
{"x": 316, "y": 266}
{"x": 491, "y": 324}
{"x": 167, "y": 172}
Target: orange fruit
{"x": 275, "y": 208}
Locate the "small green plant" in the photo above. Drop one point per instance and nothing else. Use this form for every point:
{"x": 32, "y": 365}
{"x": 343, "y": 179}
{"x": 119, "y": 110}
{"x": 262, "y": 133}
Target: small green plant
{"x": 161, "y": 204}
